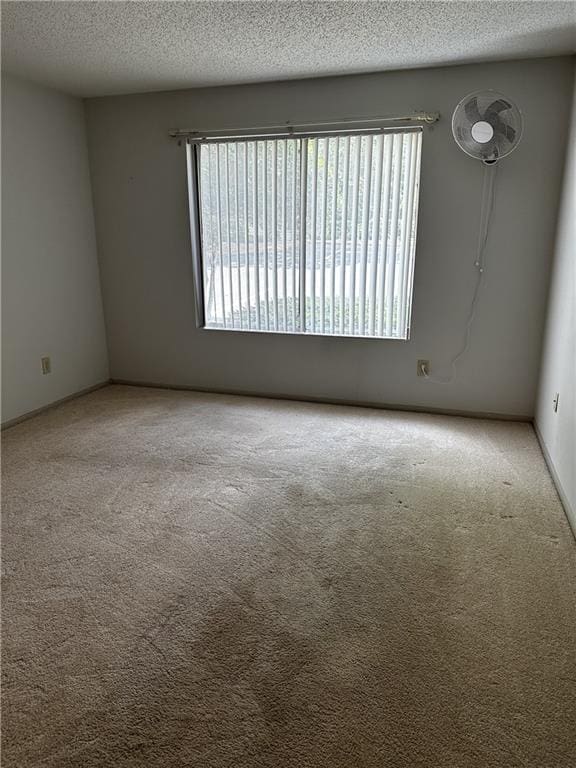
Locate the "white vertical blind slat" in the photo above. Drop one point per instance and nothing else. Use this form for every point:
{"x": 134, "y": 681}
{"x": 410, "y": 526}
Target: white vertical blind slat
{"x": 391, "y": 261}
{"x": 409, "y": 284}
{"x": 400, "y": 275}
{"x": 237, "y": 222}
{"x": 256, "y": 234}
{"x": 265, "y": 242}
{"x": 375, "y": 240}
{"x": 344, "y": 234}
{"x": 210, "y": 251}
{"x": 364, "y": 235}
{"x": 284, "y": 234}
{"x": 295, "y": 235}
{"x": 247, "y": 239}
{"x": 303, "y": 204}
{"x": 354, "y": 233}
{"x": 333, "y": 235}
{"x": 220, "y": 247}
{"x": 383, "y": 308}
{"x": 275, "y": 232}
{"x": 313, "y": 216}
{"x": 228, "y": 235}
{"x": 323, "y": 224}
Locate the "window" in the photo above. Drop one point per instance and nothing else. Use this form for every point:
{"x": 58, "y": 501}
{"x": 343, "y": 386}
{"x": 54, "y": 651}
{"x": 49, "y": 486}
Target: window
{"x": 309, "y": 235}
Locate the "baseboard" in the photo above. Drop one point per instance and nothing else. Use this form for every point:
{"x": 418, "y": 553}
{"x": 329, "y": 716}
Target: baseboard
{"x": 565, "y": 501}
{"x": 270, "y": 396}
{"x": 37, "y": 411}
{"x": 325, "y": 400}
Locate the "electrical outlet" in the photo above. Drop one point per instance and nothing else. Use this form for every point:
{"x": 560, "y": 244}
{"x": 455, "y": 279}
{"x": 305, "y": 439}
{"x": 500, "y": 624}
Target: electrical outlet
{"x": 46, "y": 366}
{"x": 423, "y": 368}
{"x": 556, "y": 401}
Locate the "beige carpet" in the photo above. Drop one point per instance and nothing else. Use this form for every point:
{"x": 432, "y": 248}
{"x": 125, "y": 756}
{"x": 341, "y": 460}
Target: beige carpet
{"x": 221, "y": 582}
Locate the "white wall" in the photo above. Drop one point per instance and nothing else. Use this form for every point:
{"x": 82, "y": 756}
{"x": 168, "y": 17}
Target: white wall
{"x": 558, "y": 430}
{"x": 142, "y": 228}
{"x": 51, "y": 302}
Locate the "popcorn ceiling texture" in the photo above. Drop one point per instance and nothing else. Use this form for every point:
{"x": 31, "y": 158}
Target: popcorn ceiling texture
{"x": 227, "y": 582}
{"x": 99, "y": 48}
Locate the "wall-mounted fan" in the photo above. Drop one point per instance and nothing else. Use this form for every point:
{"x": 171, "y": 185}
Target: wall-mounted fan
{"x": 487, "y": 126}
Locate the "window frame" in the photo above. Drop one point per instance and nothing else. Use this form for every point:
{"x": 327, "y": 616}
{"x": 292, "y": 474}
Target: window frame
{"x": 195, "y": 217}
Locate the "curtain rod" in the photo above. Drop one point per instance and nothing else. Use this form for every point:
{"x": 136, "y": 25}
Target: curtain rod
{"x": 287, "y": 130}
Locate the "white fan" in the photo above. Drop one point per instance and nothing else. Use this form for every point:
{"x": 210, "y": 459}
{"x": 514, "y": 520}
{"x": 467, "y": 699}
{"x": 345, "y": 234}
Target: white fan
{"x": 487, "y": 126}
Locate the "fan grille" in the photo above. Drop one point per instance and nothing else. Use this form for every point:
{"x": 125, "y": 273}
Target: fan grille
{"x": 499, "y": 112}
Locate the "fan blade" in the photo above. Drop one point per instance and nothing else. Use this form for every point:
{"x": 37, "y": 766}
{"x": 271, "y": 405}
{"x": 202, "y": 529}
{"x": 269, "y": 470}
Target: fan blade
{"x": 494, "y": 109}
{"x": 471, "y": 109}
{"x": 502, "y": 128}
{"x": 499, "y": 146}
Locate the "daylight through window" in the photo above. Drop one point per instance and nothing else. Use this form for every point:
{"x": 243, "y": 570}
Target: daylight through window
{"x": 310, "y": 235}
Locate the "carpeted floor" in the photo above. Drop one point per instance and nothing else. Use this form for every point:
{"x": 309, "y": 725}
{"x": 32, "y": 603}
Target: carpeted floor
{"x": 225, "y": 582}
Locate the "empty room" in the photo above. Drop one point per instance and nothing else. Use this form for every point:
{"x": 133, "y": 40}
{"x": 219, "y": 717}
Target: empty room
{"x": 288, "y": 384}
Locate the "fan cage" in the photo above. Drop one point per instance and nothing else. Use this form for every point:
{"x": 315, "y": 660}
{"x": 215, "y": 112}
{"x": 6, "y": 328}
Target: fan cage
{"x": 501, "y": 113}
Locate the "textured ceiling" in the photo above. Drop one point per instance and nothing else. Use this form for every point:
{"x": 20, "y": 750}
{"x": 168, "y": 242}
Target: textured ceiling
{"x": 97, "y": 48}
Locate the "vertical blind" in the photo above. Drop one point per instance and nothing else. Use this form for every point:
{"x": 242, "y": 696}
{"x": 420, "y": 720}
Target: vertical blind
{"x": 310, "y": 235}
